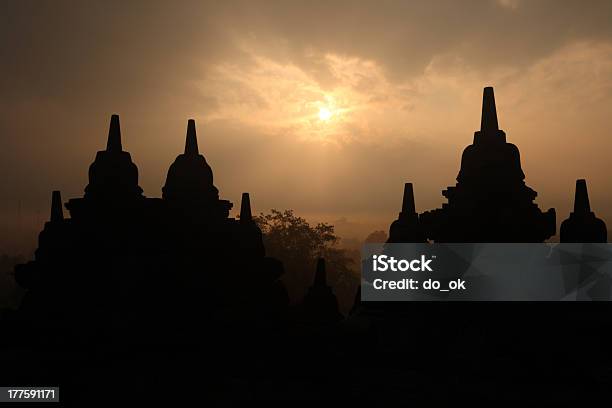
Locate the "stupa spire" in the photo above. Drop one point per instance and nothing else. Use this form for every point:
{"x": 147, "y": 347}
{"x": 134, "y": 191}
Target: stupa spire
{"x": 57, "y": 214}
{"x": 191, "y": 141}
{"x": 488, "y": 120}
{"x": 581, "y": 199}
{"x": 406, "y": 228}
{"x": 408, "y": 206}
{"x": 245, "y": 208}
{"x": 320, "y": 279}
{"x": 114, "y": 135}
{"x": 582, "y": 224}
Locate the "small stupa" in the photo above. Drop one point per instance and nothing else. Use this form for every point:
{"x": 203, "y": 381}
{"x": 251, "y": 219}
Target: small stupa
{"x": 320, "y": 303}
{"x": 189, "y": 183}
{"x": 407, "y": 227}
{"x": 582, "y": 224}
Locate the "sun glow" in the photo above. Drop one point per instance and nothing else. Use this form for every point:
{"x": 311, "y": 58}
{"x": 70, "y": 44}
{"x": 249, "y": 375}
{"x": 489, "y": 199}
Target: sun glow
{"x": 325, "y": 114}
{"x": 280, "y": 98}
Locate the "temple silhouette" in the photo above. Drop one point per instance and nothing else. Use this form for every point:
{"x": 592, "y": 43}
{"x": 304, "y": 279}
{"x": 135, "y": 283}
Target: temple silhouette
{"x": 164, "y": 287}
{"x": 582, "y": 225}
{"x": 120, "y": 253}
{"x": 491, "y": 202}
{"x": 185, "y": 244}
{"x": 118, "y": 244}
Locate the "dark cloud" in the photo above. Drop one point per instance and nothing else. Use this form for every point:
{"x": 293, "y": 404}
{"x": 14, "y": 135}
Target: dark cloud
{"x": 111, "y": 50}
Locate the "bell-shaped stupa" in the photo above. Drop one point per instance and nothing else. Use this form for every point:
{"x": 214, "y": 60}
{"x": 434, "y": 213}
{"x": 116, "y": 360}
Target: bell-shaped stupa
{"x": 490, "y": 202}
{"x": 189, "y": 183}
{"x": 320, "y": 303}
{"x": 582, "y": 224}
{"x": 407, "y": 227}
{"x": 113, "y": 175}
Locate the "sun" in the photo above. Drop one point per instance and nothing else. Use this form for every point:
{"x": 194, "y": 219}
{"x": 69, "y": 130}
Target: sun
{"x": 325, "y": 114}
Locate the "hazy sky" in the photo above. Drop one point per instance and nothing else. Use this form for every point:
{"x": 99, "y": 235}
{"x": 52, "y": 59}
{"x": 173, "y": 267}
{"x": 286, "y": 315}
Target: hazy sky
{"x": 400, "y": 81}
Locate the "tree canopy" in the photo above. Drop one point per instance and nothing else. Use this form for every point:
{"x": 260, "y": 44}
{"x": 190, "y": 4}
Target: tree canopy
{"x": 298, "y": 244}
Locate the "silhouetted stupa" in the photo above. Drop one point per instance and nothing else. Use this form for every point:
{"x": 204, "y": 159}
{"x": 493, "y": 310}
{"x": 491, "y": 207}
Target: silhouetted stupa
{"x": 253, "y": 238}
{"x": 320, "y": 303}
{"x": 489, "y": 203}
{"x": 54, "y": 244}
{"x": 189, "y": 183}
{"x": 582, "y": 225}
{"x": 407, "y": 227}
{"x": 113, "y": 175}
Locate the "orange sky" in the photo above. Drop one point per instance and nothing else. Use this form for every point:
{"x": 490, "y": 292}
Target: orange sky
{"x": 402, "y": 82}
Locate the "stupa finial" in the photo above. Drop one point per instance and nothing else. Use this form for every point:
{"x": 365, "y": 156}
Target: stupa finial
{"x": 114, "y": 135}
{"x": 245, "y": 208}
{"x": 408, "y": 206}
{"x": 488, "y": 120}
{"x": 581, "y": 198}
{"x": 191, "y": 141}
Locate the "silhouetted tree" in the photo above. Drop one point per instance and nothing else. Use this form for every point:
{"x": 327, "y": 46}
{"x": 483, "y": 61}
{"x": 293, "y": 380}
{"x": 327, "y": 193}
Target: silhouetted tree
{"x": 296, "y": 243}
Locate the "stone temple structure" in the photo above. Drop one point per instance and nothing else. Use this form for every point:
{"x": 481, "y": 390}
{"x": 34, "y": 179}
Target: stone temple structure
{"x": 582, "y": 225}
{"x": 407, "y": 227}
{"x": 189, "y": 184}
{"x": 489, "y": 203}
{"x": 137, "y": 292}
{"x": 320, "y": 304}
{"x": 129, "y": 264}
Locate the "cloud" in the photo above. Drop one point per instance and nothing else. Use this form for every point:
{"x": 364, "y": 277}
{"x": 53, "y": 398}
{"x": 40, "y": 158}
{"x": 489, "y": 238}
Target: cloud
{"x": 509, "y": 4}
{"x": 403, "y": 80}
